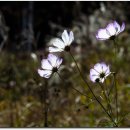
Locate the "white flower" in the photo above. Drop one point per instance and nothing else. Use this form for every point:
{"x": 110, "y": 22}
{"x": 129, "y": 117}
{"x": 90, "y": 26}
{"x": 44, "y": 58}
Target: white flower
{"x": 99, "y": 72}
{"x": 63, "y": 44}
{"x": 110, "y": 32}
{"x": 49, "y": 66}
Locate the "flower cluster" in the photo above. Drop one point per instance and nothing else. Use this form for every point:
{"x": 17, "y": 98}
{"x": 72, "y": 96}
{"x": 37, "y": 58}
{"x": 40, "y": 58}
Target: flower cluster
{"x": 98, "y": 73}
{"x": 53, "y": 62}
{"x": 100, "y": 70}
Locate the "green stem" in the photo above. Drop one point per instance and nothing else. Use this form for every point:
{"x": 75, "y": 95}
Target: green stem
{"x": 111, "y": 88}
{"x": 106, "y": 98}
{"x": 116, "y": 91}
{"x": 75, "y": 88}
{"x": 46, "y": 106}
{"x": 115, "y": 47}
{"x": 92, "y": 91}
{"x": 116, "y": 95}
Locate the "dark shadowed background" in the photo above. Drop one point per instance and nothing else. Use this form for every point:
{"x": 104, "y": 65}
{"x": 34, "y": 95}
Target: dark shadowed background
{"x": 42, "y": 20}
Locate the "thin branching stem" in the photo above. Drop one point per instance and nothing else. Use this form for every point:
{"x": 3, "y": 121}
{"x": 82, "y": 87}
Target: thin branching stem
{"x": 106, "y": 98}
{"x": 92, "y": 91}
{"x": 115, "y": 85}
{"x": 75, "y": 88}
{"x": 111, "y": 88}
{"x": 46, "y": 106}
{"x": 116, "y": 95}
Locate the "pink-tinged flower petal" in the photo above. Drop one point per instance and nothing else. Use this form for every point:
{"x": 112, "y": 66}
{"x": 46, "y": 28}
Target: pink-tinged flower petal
{"x": 58, "y": 62}
{"x": 98, "y": 68}
{"x": 46, "y": 65}
{"x": 93, "y": 75}
{"x": 102, "y": 34}
{"x": 52, "y": 59}
{"x": 104, "y": 67}
{"x": 54, "y": 49}
{"x": 93, "y": 72}
{"x": 71, "y": 37}
{"x": 122, "y": 27}
{"x": 65, "y": 37}
{"x": 111, "y": 29}
{"x": 117, "y": 27}
{"x": 44, "y": 73}
{"x": 58, "y": 43}
{"x": 107, "y": 71}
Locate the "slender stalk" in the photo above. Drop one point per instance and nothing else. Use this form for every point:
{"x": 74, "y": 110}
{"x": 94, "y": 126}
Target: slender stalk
{"x": 107, "y": 98}
{"x": 114, "y": 75}
{"x": 92, "y": 91}
{"x": 106, "y": 87}
{"x": 103, "y": 91}
{"x": 45, "y": 107}
{"x": 115, "y": 47}
{"x": 116, "y": 95}
{"x": 111, "y": 88}
{"x": 76, "y": 89}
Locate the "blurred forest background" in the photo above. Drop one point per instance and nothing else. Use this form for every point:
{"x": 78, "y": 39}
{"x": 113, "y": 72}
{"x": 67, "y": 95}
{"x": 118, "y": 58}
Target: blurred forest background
{"x": 26, "y": 29}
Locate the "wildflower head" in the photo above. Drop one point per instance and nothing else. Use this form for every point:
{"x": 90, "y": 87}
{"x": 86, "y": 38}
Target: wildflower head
{"x": 49, "y": 66}
{"x": 55, "y": 69}
{"x": 110, "y": 32}
{"x": 63, "y": 44}
{"x": 99, "y": 72}
{"x": 67, "y": 48}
